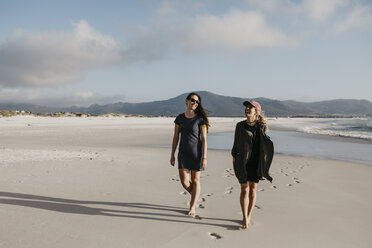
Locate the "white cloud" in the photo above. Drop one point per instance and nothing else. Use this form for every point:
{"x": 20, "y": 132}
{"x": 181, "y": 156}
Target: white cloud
{"x": 55, "y": 58}
{"x": 55, "y": 99}
{"x": 359, "y": 17}
{"x": 315, "y": 10}
{"x": 236, "y": 30}
{"x": 270, "y": 5}
{"x": 49, "y": 59}
{"x": 166, "y": 8}
{"x": 321, "y": 10}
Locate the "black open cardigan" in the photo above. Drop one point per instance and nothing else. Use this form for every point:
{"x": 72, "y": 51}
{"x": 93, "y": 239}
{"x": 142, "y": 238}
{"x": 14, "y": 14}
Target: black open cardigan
{"x": 243, "y": 147}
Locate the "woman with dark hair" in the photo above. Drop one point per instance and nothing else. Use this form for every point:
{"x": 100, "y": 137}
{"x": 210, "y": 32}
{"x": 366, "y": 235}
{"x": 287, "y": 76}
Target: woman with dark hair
{"x": 192, "y": 152}
{"x": 252, "y": 154}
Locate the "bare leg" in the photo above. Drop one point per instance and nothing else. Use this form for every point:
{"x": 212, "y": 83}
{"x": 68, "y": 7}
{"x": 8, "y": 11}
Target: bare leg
{"x": 185, "y": 181}
{"x": 244, "y": 204}
{"x": 252, "y": 199}
{"x": 195, "y": 178}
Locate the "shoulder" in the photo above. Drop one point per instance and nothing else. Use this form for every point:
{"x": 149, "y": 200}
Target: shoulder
{"x": 179, "y": 118}
{"x": 263, "y": 127}
{"x": 200, "y": 120}
{"x": 240, "y": 123}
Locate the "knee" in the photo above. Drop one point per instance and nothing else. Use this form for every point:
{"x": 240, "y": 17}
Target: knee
{"x": 195, "y": 181}
{"x": 244, "y": 189}
{"x": 252, "y": 190}
{"x": 185, "y": 183}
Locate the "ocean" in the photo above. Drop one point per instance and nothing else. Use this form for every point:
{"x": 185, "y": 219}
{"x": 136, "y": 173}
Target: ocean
{"x": 345, "y": 139}
{"x": 353, "y": 127}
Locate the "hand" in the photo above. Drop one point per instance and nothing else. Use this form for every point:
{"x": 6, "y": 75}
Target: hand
{"x": 233, "y": 160}
{"x": 204, "y": 162}
{"x": 172, "y": 160}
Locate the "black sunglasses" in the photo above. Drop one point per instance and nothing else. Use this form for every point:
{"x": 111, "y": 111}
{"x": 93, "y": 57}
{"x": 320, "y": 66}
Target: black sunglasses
{"x": 194, "y": 101}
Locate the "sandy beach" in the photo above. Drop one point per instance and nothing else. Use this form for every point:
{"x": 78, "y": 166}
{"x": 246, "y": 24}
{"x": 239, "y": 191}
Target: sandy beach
{"x": 107, "y": 182}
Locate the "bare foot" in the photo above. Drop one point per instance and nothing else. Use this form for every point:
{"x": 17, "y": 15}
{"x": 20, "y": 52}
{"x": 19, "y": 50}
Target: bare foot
{"x": 191, "y": 212}
{"x": 245, "y": 224}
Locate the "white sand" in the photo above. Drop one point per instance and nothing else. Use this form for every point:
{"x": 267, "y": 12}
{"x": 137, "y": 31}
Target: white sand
{"x": 101, "y": 182}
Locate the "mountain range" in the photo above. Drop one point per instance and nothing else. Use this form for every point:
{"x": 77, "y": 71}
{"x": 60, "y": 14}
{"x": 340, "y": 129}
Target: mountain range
{"x": 215, "y": 105}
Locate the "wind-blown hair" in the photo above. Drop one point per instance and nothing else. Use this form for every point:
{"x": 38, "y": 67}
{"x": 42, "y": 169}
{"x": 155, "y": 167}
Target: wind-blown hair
{"x": 200, "y": 110}
{"x": 262, "y": 121}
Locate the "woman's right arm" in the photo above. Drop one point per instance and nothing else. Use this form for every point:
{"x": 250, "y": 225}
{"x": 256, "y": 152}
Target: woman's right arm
{"x": 174, "y": 143}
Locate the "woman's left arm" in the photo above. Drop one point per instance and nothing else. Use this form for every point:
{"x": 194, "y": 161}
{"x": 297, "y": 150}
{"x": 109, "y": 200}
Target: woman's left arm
{"x": 203, "y": 129}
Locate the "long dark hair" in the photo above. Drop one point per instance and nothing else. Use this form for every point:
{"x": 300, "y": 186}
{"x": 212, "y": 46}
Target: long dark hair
{"x": 199, "y": 110}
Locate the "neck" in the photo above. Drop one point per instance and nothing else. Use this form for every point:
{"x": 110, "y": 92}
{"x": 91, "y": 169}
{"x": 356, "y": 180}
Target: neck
{"x": 251, "y": 121}
{"x": 190, "y": 113}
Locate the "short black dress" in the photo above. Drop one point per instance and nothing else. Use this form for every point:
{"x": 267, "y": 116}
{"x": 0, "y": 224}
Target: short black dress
{"x": 252, "y": 163}
{"x": 190, "y": 147}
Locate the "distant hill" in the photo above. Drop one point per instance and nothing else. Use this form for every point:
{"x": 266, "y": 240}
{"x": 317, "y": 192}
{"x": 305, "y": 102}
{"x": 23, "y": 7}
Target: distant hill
{"x": 216, "y": 105}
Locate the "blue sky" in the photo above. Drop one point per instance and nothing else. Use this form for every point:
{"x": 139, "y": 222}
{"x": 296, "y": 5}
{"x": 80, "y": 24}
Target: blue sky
{"x": 65, "y": 53}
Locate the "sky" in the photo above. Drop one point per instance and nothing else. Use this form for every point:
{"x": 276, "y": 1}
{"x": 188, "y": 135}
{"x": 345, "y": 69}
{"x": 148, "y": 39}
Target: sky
{"x": 82, "y": 52}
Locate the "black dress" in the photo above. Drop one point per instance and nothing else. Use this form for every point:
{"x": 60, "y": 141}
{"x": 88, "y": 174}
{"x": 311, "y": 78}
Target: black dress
{"x": 252, "y": 163}
{"x": 190, "y": 147}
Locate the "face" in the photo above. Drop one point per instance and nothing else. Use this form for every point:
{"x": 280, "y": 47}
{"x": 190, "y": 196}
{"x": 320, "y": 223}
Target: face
{"x": 193, "y": 102}
{"x": 250, "y": 111}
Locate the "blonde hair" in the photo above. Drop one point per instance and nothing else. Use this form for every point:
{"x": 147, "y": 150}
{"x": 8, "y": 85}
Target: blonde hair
{"x": 262, "y": 121}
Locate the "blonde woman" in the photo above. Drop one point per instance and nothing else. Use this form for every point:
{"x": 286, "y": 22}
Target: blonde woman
{"x": 252, "y": 154}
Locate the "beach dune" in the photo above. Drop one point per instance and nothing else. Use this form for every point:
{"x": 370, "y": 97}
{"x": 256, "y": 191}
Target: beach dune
{"x": 107, "y": 182}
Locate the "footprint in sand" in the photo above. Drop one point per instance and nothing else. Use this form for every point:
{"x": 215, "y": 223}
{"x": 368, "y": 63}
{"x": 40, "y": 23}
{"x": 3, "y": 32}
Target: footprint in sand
{"x": 214, "y": 236}
{"x": 258, "y": 207}
{"x": 183, "y": 193}
{"x": 273, "y": 187}
{"x": 229, "y": 192}
{"x": 289, "y": 185}
{"x": 260, "y": 190}
{"x": 229, "y": 172}
{"x": 296, "y": 181}
{"x": 198, "y": 217}
{"x": 201, "y": 206}
{"x": 202, "y": 199}
{"x": 208, "y": 194}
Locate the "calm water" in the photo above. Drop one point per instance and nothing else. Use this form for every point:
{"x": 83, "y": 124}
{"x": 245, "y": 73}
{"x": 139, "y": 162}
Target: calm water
{"x": 307, "y": 145}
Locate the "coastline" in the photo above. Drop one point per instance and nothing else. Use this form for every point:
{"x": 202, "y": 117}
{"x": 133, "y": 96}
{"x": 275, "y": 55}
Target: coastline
{"x": 95, "y": 182}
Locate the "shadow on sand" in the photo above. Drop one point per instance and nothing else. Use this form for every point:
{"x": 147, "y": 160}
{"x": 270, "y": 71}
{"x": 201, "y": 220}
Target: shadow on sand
{"x": 144, "y": 211}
